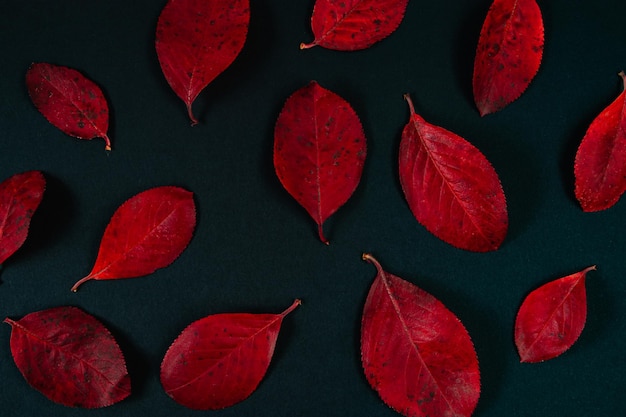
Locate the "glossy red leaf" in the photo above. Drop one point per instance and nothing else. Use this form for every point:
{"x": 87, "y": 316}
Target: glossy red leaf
{"x": 451, "y": 187}
{"x": 220, "y": 360}
{"x": 196, "y": 40}
{"x": 509, "y": 53}
{"x": 20, "y": 196}
{"x": 319, "y": 151}
{"x": 70, "y": 357}
{"x": 551, "y": 318}
{"x": 70, "y": 101}
{"x": 600, "y": 165}
{"x": 415, "y": 352}
{"x": 349, "y": 25}
{"x": 149, "y": 231}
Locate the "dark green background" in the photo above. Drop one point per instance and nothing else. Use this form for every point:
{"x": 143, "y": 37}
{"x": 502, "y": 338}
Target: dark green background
{"x": 256, "y": 250}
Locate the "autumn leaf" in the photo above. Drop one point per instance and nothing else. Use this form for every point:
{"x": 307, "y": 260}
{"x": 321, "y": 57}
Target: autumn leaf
{"x": 319, "y": 151}
{"x": 147, "y": 232}
{"x": 20, "y": 196}
{"x": 350, "y": 25}
{"x": 551, "y": 318}
{"x": 451, "y": 187}
{"x": 509, "y": 53}
{"x": 70, "y": 101}
{"x": 220, "y": 360}
{"x": 415, "y": 352}
{"x": 196, "y": 40}
{"x": 600, "y": 165}
{"x": 70, "y": 357}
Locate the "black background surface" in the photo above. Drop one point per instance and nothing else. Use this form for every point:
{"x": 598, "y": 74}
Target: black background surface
{"x": 256, "y": 250}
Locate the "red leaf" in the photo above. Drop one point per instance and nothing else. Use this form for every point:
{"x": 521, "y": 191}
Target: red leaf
{"x": 600, "y": 166}
{"x": 70, "y": 357}
{"x": 319, "y": 151}
{"x": 508, "y": 54}
{"x": 551, "y": 318}
{"x": 349, "y": 25}
{"x": 196, "y": 40}
{"x": 220, "y": 360}
{"x": 69, "y": 101}
{"x": 20, "y": 196}
{"x": 415, "y": 352}
{"x": 149, "y": 231}
{"x": 451, "y": 187}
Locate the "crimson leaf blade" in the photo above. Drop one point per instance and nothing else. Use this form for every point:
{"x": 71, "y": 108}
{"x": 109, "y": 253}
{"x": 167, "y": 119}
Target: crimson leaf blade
{"x": 415, "y": 352}
{"x": 451, "y": 187}
{"x": 69, "y": 101}
{"x": 220, "y": 360}
{"x": 148, "y": 232}
{"x": 70, "y": 357}
{"x": 319, "y": 151}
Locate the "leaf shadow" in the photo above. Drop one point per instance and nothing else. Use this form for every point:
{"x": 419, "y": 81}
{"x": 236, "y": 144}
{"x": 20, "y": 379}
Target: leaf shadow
{"x": 467, "y": 37}
{"x": 51, "y": 218}
{"x": 572, "y": 141}
{"x": 138, "y": 367}
{"x": 260, "y": 38}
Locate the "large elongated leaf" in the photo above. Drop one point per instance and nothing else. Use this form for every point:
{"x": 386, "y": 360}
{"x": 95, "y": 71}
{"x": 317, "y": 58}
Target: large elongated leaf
{"x": 319, "y": 151}
{"x": 451, "y": 187}
{"x": 600, "y": 165}
{"x": 509, "y": 53}
{"x": 69, "y": 100}
{"x": 220, "y": 360}
{"x": 20, "y": 196}
{"x": 149, "y": 231}
{"x": 551, "y": 318}
{"x": 70, "y": 357}
{"x": 416, "y": 353}
{"x": 196, "y": 40}
{"x": 348, "y": 25}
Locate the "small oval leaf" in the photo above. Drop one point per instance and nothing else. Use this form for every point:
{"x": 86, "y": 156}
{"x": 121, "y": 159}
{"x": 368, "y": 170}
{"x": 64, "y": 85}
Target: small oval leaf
{"x": 70, "y": 357}
{"x": 20, "y": 196}
{"x": 415, "y": 352}
{"x": 451, "y": 187}
{"x": 351, "y": 25}
{"x": 509, "y": 53}
{"x": 220, "y": 360}
{"x": 551, "y": 318}
{"x": 70, "y": 101}
{"x": 196, "y": 40}
{"x": 319, "y": 151}
{"x": 149, "y": 231}
{"x": 600, "y": 164}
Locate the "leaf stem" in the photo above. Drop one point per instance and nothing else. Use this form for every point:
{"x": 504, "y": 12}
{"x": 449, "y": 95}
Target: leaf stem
{"x": 194, "y": 121}
{"x": 623, "y": 75}
{"x": 292, "y": 307}
{"x": 320, "y": 232}
{"x": 307, "y": 45}
{"x": 107, "y": 142}
{"x": 80, "y": 282}
{"x": 369, "y": 258}
{"x": 407, "y": 97}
